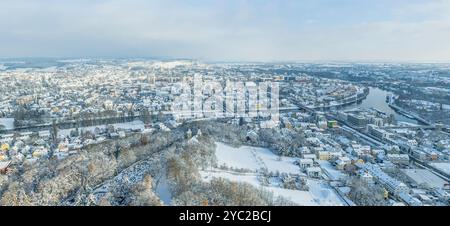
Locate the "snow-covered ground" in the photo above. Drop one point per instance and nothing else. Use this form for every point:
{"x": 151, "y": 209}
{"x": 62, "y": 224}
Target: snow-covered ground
{"x": 444, "y": 166}
{"x": 319, "y": 194}
{"x": 330, "y": 170}
{"x": 7, "y": 122}
{"x": 425, "y": 176}
{"x": 254, "y": 158}
{"x": 236, "y": 157}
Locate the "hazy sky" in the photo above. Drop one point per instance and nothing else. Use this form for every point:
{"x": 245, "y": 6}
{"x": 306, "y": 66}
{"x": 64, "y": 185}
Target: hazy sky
{"x": 261, "y": 30}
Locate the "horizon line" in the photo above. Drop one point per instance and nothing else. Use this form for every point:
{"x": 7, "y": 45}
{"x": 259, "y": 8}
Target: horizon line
{"x": 165, "y": 58}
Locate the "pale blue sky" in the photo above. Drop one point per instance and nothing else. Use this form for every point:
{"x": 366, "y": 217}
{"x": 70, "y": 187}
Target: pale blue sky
{"x": 261, "y": 30}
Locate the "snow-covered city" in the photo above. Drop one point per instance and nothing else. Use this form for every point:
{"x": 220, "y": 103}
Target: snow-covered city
{"x": 241, "y": 112}
{"x": 107, "y": 132}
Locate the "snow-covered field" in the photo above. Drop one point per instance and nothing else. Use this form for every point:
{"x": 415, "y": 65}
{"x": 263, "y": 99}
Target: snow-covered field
{"x": 319, "y": 193}
{"x": 7, "y": 122}
{"x": 330, "y": 170}
{"x": 254, "y": 158}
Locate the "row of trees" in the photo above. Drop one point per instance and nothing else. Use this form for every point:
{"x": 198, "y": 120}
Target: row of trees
{"x": 72, "y": 180}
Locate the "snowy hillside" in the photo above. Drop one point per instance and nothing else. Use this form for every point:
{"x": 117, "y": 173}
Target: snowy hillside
{"x": 256, "y": 159}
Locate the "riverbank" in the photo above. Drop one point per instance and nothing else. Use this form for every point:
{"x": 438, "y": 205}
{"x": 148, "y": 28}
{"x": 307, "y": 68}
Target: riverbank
{"x": 376, "y": 99}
